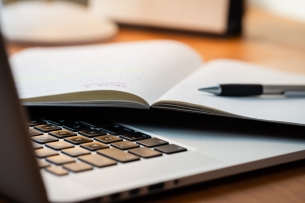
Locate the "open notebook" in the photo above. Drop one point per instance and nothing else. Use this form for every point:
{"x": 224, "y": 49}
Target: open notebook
{"x": 150, "y": 74}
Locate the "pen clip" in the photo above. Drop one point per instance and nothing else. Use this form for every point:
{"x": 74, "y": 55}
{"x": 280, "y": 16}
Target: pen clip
{"x": 294, "y": 93}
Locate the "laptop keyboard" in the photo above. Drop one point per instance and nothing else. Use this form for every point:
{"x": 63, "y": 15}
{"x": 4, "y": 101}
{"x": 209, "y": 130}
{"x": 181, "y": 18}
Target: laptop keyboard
{"x": 64, "y": 146}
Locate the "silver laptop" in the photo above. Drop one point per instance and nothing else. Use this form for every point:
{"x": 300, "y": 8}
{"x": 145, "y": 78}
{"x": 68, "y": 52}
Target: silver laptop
{"x": 113, "y": 156}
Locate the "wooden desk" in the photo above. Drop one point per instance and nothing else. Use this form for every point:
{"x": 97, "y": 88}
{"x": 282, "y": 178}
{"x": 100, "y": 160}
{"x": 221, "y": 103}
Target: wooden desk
{"x": 267, "y": 40}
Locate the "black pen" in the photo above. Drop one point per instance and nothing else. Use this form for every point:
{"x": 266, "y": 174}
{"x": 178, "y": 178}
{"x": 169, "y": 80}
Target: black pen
{"x": 254, "y": 89}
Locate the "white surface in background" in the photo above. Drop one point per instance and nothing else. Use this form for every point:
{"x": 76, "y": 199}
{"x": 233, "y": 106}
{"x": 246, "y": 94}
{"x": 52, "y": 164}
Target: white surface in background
{"x": 292, "y": 8}
{"x": 53, "y": 22}
{"x": 196, "y": 15}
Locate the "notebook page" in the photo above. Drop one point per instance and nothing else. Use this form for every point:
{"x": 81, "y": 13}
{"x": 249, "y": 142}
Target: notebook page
{"x": 272, "y": 108}
{"x": 140, "y": 68}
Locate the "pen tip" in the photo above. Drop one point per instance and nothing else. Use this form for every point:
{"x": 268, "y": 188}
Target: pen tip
{"x": 213, "y": 89}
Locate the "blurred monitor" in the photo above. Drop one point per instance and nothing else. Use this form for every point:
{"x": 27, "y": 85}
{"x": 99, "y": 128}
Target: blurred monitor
{"x": 215, "y": 17}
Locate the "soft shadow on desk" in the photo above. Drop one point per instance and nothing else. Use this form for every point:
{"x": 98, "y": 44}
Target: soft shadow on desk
{"x": 224, "y": 125}
{"x": 179, "y": 120}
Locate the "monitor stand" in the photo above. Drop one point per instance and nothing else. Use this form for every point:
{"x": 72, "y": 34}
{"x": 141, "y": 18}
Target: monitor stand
{"x": 53, "y": 22}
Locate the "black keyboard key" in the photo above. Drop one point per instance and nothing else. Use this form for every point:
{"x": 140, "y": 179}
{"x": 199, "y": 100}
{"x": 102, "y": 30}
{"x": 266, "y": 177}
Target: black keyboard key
{"x": 60, "y": 159}
{"x": 62, "y": 133}
{"x": 61, "y": 121}
{"x": 42, "y": 139}
{"x": 108, "y": 139}
{"x": 56, "y": 170}
{"x": 59, "y": 145}
{"x": 77, "y": 167}
{"x": 97, "y": 160}
{"x": 43, "y": 117}
{"x": 170, "y": 149}
{"x": 152, "y": 142}
{"x": 33, "y": 132}
{"x": 42, "y": 164}
{"x": 124, "y": 145}
{"x": 116, "y": 129}
{"x": 34, "y": 122}
{"x": 145, "y": 152}
{"x": 36, "y": 146}
{"x": 94, "y": 146}
{"x": 76, "y": 151}
{"x": 47, "y": 128}
{"x": 118, "y": 155}
{"x": 96, "y": 123}
{"x": 92, "y": 133}
{"x": 45, "y": 152}
{"x": 78, "y": 139}
{"x": 135, "y": 136}
{"x": 76, "y": 126}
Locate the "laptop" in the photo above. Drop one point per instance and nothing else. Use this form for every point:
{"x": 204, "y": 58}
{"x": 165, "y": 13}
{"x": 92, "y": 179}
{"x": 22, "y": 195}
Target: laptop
{"x": 109, "y": 155}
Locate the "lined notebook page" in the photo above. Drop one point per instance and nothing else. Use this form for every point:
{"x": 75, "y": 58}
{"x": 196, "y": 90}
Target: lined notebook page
{"x": 147, "y": 69}
{"x": 272, "y": 108}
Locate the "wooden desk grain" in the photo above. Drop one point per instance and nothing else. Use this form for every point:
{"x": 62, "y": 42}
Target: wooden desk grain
{"x": 267, "y": 40}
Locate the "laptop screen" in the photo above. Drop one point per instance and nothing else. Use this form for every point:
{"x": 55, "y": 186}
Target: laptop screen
{"x": 20, "y": 177}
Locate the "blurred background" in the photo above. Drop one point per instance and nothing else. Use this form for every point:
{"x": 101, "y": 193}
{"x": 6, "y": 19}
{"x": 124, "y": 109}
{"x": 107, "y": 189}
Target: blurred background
{"x": 270, "y": 33}
{"x": 82, "y": 2}
{"x": 218, "y": 17}
{"x": 292, "y": 9}
{"x": 79, "y": 21}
